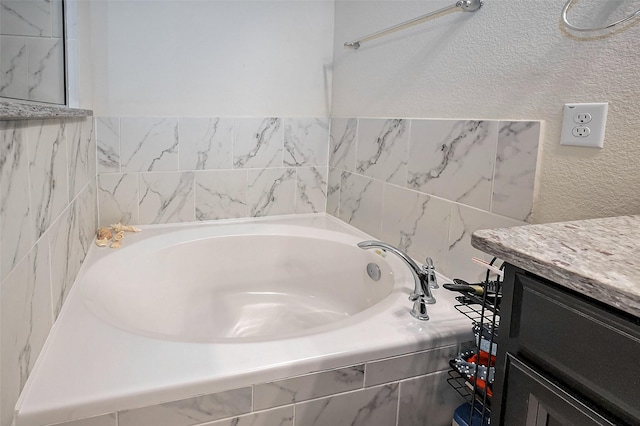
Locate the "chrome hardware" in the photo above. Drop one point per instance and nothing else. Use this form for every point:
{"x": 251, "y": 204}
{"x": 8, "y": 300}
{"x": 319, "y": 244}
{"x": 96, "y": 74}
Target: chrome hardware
{"x": 565, "y": 20}
{"x": 470, "y": 5}
{"x": 462, "y": 5}
{"x": 430, "y": 270}
{"x": 373, "y": 271}
{"x": 419, "y": 309}
{"x": 421, "y": 295}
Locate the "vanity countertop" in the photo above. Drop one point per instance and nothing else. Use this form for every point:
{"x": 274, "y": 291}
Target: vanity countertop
{"x": 597, "y": 257}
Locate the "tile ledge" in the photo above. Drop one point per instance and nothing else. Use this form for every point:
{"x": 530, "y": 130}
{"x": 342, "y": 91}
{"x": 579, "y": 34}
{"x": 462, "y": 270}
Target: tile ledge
{"x": 24, "y": 111}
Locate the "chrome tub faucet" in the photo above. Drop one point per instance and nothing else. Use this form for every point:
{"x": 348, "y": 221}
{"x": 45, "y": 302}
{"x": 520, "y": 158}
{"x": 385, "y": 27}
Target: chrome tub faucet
{"x": 424, "y": 278}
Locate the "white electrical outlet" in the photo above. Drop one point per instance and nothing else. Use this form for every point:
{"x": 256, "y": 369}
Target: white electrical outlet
{"x": 584, "y": 124}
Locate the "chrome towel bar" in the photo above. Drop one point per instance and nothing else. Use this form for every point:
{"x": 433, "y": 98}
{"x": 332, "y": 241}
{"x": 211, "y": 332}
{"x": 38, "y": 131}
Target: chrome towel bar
{"x": 565, "y": 20}
{"x": 462, "y": 5}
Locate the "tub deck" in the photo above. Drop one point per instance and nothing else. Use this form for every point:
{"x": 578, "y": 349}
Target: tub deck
{"x": 89, "y": 367}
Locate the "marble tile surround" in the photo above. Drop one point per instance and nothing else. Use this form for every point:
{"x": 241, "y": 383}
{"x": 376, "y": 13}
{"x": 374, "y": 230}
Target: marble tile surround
{"x": 157, "y": 170}
{"x": 367, "y": 394}
{"x": 426, "y": 185}
{"x": 423, "y": 185}
{"x": 47, "y": 220}
{"x": 176, "y": 169}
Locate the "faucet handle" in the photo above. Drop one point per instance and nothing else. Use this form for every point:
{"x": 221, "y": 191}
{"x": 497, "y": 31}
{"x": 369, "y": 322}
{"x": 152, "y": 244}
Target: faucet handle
{"x": 430, "y": 272}
{"x": 428, "y": 263}
{"x": 419, "y": 309}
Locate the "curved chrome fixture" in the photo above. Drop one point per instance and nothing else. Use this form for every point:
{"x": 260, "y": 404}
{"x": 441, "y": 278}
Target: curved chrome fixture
{"x": 463, "y": 5}
{"x": 424, "y": 278}
{"x": 569, "y": 25}
{"x": 430, "y": 270}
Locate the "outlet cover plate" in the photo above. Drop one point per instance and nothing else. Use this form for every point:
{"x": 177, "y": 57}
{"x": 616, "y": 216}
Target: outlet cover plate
{"x": 596, "y": 126}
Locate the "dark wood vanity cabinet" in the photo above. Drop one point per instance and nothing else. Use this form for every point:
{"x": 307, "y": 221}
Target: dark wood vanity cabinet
{"x": 563, "y": 358}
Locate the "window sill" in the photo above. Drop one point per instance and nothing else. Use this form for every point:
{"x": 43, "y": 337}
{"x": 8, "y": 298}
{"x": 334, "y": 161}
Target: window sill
{"x": 24, "y": 111}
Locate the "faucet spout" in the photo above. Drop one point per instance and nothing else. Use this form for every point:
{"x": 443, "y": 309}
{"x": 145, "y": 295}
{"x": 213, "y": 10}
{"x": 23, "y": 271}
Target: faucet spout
{"x": 422, "y": 276}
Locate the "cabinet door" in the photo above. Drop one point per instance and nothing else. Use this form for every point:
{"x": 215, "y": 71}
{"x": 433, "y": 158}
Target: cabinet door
{"x": 533, "y": 400}
{"x": 590, "y": 350}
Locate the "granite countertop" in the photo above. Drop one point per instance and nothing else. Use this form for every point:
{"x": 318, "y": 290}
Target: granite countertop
{"x": 25, "y": 111}
{"x": 597, "y": 257}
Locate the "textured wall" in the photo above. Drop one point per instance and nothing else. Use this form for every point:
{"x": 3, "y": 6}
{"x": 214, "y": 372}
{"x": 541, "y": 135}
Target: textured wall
{"x": 510, "y": 60}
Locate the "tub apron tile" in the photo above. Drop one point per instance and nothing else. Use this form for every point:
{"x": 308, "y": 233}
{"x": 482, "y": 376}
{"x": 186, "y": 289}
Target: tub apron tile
{"x": 419, "y": 396}
{"x": 105, "y": 420}
{"x": 190, "y": 411}
{"x": 282, "y": 416}
{"x": 370, "y": 407}
{"x": 411, "y": 365}
{"x": 302, "y": 388}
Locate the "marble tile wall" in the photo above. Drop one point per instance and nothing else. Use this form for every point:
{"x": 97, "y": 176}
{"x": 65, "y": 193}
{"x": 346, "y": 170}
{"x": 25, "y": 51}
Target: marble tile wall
{"x": 423, "y": 185}
{"x": 31, "y": 42}
{"x": 47, "y": 221}
{"x": 408, "y": 390}
{"x": 426, "y": 185}
{"x": 180, "y": 169}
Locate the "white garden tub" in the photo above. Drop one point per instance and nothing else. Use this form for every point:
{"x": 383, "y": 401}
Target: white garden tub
{"x": 236, "y": 283}
{"x": 188, "y": 310}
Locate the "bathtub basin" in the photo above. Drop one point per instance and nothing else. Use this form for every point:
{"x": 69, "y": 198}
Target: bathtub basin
{"x": 264, "y": 282}
{"x": 195, "y": 309}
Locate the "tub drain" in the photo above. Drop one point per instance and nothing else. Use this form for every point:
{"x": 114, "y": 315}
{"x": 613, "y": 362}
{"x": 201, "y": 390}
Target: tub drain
{"x": 374, "y": 271}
